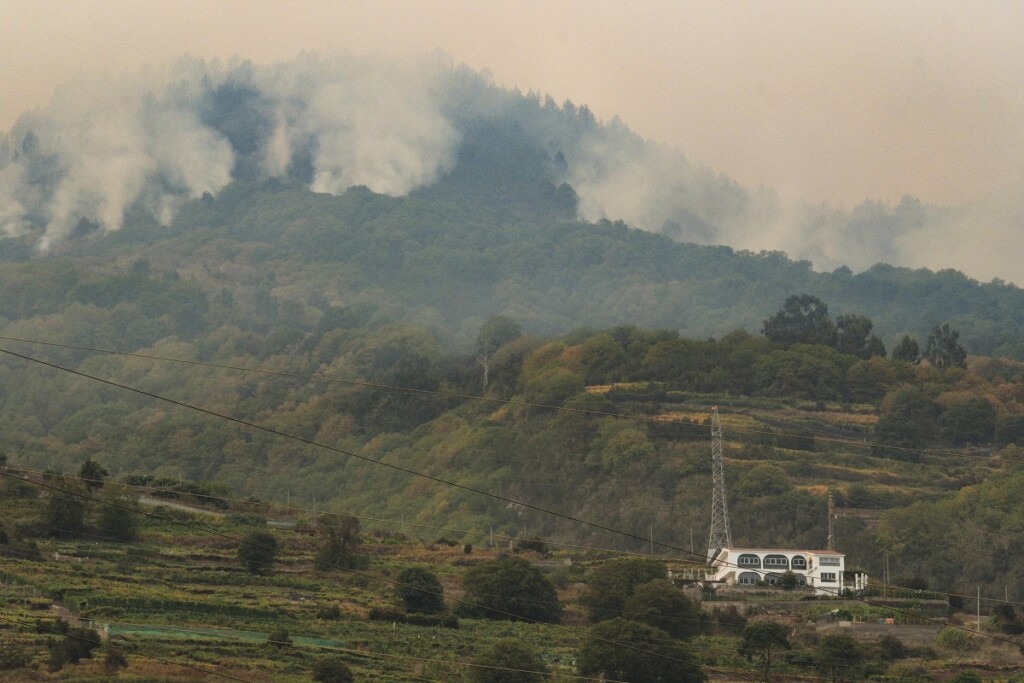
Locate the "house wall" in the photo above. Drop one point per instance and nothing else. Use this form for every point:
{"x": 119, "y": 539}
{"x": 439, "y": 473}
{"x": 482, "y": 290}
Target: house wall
{"x": 747, "y": 566}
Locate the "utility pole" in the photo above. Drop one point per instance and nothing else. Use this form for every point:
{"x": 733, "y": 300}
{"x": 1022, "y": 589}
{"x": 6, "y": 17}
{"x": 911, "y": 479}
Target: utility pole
{"x": 831, "y": 521}
{"x": 720, "y": 537}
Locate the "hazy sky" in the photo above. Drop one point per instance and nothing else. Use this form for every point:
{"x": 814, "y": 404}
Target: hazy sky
{"x": 826, "y": 101}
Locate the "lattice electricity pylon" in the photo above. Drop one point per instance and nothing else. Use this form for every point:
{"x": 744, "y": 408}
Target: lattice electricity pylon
{"x": 721, "y": 537}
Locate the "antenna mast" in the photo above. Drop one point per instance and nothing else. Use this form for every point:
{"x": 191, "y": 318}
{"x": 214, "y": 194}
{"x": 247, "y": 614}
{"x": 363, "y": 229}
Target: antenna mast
{"x": 721, "y": 537}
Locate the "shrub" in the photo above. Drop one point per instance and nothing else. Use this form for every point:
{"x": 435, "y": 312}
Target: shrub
{"x": 257, "y": 552}
{"x": 954, "y": 639}
{"x": 13, "y": 655}
{"x": 279, "y": 638}
{"x": 332, "y": 670}
{"x": 114, "y": 662}
{"x": 77, "y": 645}
{"x": 420, "y": 590}
{"x": 329, "y": 612}
{"x": 603, "y": 654}
{"x": 386, "y": 614}
{"x": 512, "y": 662}
{"x": 532, "y": 543}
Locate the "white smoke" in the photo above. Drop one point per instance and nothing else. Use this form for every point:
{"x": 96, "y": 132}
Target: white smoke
{"x": 104, "y": 145}
{"x": 155, "y": 140}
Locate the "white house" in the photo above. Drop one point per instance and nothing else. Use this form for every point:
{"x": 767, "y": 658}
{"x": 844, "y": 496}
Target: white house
{"x": 822, "y": 569}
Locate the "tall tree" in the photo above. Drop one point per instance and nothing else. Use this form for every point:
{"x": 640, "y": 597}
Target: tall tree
{"x": 64, "y": 516}
{"x": 341, "y": 546}
{"x": 943, "y": 349}
{"x": 760, "y": 638}
{"x": 612, "y": 583}
{"x": 853, "y": 336}
{"x": 907, "y": 350}
{"x": 495, "y": 333}
{"x": 803, "y": 319}
{"x": 93, "y": 474}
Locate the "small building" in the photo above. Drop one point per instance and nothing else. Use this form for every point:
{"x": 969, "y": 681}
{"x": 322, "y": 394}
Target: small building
{"x": 822, "y": 569}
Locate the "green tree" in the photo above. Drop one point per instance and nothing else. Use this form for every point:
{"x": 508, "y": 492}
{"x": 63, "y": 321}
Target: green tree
{"x": 332, "y": 669}
{"x": 660, "y": 604}
{"x": 510, "y": 588}
{"x": 853, "y": 336}
{"x": 64, "y": 516}
{"x": 803, "y": 319}
{"x": 507, "y": 661}
{"x": 1010, "y": 429}
{"x": 943, "y": 349}
{"x": 602, "y": 358}
{"x": 906, "y": 420}
{"x": 117, "y": 523}
{"x": 759, "y": 639}
{"x": 257, "y": 552}
{"x": 340, "y": 548}
{"x": 803, "y": 371}
{"x": 494, "y": 334}
{"x": 420, "y": 590}
{"x": 649, "y": 655}
{"x": 611, "y": 583}
{"x": 840, "y": 658}
{"x": 93, "y": 474}
{"x": 972, "y": 420}
{"x": 907, "y": 351}
{"x": 76, "y": 645}
{"x": 763, "y": 480}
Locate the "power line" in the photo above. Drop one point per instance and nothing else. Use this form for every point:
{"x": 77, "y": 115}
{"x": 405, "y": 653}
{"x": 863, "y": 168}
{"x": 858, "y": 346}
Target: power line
{"x": 398, "y": 583}
{"x": 355, "y": 455}
{"x": 295, "y": 508}
{"x": 388, "y": 465}
{"x": 365, "y": 575}
{"x": 514, "y": 402}
{"x": 340, "y": 451}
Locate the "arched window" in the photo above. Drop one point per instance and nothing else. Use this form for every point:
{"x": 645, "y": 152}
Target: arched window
{"x": 799, "y": 562}
{"x": 749, "y": 578}
{"x": 776, "y": 562}
{"x": 748, "y": 560}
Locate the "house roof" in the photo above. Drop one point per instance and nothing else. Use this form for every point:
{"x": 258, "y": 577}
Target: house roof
{"x": 782, "y": 550}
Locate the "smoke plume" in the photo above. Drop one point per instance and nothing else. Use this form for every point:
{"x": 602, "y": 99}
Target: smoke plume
{"x": 153, "y": 141}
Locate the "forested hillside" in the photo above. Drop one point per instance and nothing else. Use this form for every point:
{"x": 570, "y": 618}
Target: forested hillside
{"x": 484, "y": 280}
